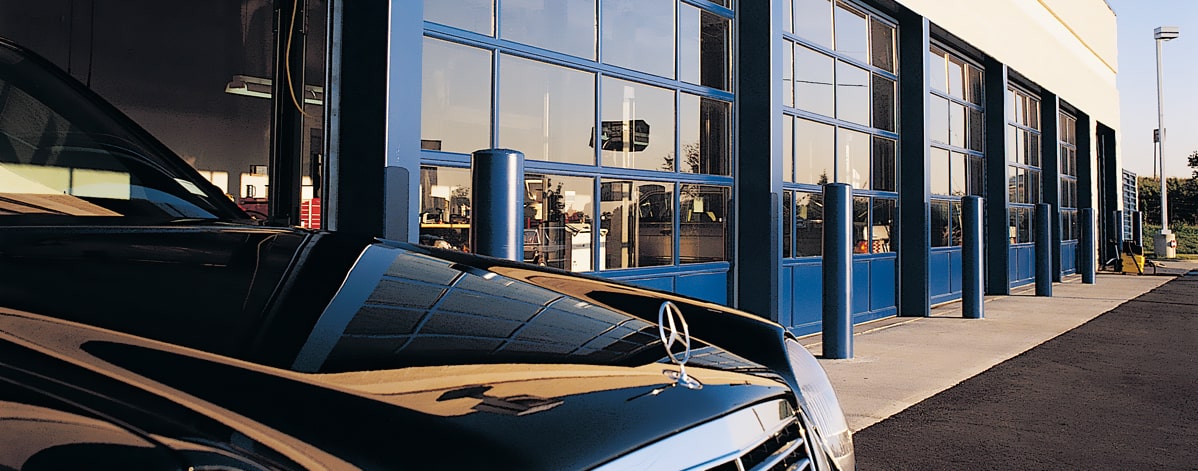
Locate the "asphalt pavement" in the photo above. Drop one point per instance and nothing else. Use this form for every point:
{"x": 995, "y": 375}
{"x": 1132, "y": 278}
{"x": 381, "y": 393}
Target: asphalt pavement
{"x": 1096, "y": 376}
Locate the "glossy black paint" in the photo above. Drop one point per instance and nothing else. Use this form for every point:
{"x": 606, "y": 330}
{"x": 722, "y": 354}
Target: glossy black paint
{"x": 156, "y": 393}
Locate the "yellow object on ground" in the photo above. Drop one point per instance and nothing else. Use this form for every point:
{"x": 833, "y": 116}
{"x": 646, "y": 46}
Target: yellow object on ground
{"x": 1132, "y": 263}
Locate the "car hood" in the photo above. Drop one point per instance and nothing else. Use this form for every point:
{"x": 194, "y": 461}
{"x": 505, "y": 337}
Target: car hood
{"x": 330, "y": 302}
{"x": 527, "y": 416}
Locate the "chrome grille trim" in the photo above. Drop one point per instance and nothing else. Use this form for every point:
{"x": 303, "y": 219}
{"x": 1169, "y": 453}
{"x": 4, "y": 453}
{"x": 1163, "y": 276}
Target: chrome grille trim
{"x": 767, "y": 436}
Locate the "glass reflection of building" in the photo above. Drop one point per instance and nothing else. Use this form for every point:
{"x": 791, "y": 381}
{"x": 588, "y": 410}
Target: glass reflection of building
{"x": 605, "y": 127}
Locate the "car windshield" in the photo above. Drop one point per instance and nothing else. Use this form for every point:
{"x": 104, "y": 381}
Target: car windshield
{"x": 65, "y": 158}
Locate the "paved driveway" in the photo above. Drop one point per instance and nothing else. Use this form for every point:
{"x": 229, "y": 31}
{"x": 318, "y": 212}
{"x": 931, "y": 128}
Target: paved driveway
{"x": 1118, "y": 392}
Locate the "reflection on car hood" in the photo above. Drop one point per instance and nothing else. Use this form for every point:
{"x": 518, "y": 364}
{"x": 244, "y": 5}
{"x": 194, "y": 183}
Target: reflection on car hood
{"x": 505, "y": 415}
{"x": 400, "y": 308}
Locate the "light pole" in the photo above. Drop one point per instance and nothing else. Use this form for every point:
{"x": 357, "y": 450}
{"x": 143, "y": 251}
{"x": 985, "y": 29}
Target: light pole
{"x": 1165, "y": 243}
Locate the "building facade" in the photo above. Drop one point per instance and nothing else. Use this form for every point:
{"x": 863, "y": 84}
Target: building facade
{"x": 677, "y": 144}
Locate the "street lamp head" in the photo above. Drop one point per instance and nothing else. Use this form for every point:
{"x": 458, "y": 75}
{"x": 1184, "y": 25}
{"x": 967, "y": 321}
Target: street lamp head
{"x": 1165, "y": 33}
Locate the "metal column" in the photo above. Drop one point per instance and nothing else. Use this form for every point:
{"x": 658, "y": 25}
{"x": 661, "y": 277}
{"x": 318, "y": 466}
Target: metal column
{"x": 972, "y": 276}
{"x": 287, "y": 122}
{"x": 1043, "y": 249}
{"x": 838, "y": 271}
{"x": 1086, "y": 250}
{"x": 497, "y": 176}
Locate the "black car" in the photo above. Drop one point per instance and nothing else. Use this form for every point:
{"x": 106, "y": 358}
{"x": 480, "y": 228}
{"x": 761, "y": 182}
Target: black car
{"x": 146, "y": 323}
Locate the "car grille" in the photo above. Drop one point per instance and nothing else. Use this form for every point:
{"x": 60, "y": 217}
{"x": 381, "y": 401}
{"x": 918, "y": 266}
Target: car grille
{"x": 785, "y": 450}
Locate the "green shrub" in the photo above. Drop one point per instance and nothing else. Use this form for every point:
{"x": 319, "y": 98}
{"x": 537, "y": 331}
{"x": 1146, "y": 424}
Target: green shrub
{"x": 1187, "y": 237}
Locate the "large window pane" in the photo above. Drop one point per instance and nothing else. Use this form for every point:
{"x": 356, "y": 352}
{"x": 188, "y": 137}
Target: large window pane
{"x": 1016, "y": 185}
{"x": 1033, "y": 186}
{"x": 558, "y": 224}
{"x": 546, "y": 111}
{"x": 956, "y": 121}
{"x": 883, "y": 103}
{"x": 703, "y": 54}
{"x": 938, "y": 127}
{"x": 471, "y": 15}
{"x": 566, "y": 26}
{"x": 973, "y": 84}
{"x": 788, "y": 148}
{"x": 639, "y": 35}
{"x": 445, "y": 207}
{"x": 883, "y": 225}
{"x": 940, "y": 230}
{"x": 852, "y": 33}
{"x": 1033, "y": 149}
{"x": 813, "y": 21}
{"x": 788, "y": 222}
{"x": 954, "y": 220}
{"x": 704, "y": 134}
{"x": 815, "y": 152}
{"x": 976, "y": 124}
{"x": 853, "y": 155}
{"x": 884, "y": 173}
{"x": 456, "y": 102}
{"x": 809, "y": 224}
{"x": 814, "y": 76}
{"x": 861, "y": 224}
{"x": 852, "y": 93}
{"x": 938, "y": 175}
{"x": 882, "y": 45}
{"x": 639, "y": 222}
{"x": 956, "y": 77}
{"x": 788, "y": 74}
{"x": 975, "y": 176}
{"x": 638, "y": 126}
{"x": 703, "y": 223}
{"x": 936, "y": 70}
{"x": 957, "y": 179}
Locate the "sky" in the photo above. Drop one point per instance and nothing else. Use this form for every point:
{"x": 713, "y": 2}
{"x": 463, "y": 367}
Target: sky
{"x": 1137, "y": 82}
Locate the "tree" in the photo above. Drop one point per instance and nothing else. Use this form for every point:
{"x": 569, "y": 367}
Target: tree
{"x": 1192, "y": 162}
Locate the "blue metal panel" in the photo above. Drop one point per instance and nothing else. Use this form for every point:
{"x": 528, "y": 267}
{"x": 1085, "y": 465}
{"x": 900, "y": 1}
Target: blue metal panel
{"x": 955, "y": 271}
{"x": 1021, "y": 263}
{"x": 861, "y": 287}
{"x": 938, "y": 275}
{"x": 665, "y": 283}
{"x": 807, "y": 302}
{"x": 1069, "y": 257}
{"x": 882, "y": 283}
{"x": 706, "y": 286}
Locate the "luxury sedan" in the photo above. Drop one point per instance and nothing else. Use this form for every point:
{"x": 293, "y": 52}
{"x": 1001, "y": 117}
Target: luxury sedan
{"x": 147, "y": 323}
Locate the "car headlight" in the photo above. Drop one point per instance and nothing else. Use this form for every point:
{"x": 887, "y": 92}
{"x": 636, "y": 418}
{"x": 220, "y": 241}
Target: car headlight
{"x": 818, "y": 401}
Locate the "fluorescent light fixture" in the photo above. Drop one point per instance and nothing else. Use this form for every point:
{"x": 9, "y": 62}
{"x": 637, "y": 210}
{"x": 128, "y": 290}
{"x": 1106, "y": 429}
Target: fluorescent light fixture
{"x": 259, "y": 87}
{"x": 1166, "y": 33}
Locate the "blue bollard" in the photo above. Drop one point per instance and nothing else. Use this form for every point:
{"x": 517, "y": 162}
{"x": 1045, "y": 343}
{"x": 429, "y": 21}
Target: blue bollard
{"x": 838, "y": 271}
{"x": 972, "y": 276}
{"x": 497, "y": 211}
{"x": 1043, "y": 249}
{"x": 1086, "y": 247}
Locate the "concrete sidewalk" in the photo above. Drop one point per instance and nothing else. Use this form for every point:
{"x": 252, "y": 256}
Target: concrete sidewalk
{"x": 901, "y": 361}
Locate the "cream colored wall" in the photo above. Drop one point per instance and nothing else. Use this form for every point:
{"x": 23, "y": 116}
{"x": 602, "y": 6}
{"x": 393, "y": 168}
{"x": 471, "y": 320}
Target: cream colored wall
{"x": 1066, "y": 46}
